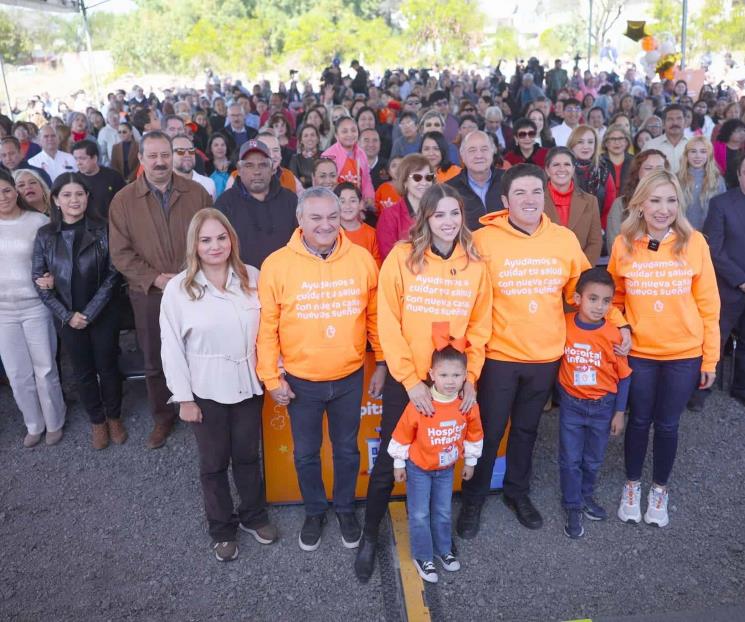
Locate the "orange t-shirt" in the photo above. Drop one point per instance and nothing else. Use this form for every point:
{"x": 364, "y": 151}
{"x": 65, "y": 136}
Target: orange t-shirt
{"x": 590, "y": 369}
{"x": 437, "y": 442}
{"x": 366, "y": 237}
{"x": 350, "y": 172}
{"x": 443, "y": 176}
{"x": 386, "y": 196}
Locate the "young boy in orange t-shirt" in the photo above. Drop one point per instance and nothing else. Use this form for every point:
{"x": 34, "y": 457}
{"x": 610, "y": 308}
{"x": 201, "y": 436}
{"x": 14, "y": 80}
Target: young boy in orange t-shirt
{"x": 594, "y": 387}
{"x": 424, "y": 451}
{"x": 357, "y": 231}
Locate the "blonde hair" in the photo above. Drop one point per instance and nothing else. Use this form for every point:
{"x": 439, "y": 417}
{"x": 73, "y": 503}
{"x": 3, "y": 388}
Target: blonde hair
{"x": 712, "y": 177}
{"x": 45, "y": 192}
{"x": 635, "y": 226}
{"x": 580, "y": 131}
{"x": 194, "y": 265}
{"x": 617, "y": 127}
{"x": 420, "y": 235}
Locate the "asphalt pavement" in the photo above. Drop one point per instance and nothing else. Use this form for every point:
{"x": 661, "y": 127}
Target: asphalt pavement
{"x": 120, "y": 535}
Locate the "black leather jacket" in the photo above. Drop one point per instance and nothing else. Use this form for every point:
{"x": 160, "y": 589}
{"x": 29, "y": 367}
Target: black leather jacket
{"x": 53, "y": 253}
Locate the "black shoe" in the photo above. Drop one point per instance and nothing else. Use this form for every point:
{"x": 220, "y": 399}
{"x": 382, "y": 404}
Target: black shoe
{"x": 594, "y": 511}
{"x": 364, "y": 563}
{"x": 574, "y": 528}
{"x": 350, "y": 529}
{"x": 310, "y": 534}
{"x": 467, "y": 526}
{"x": 697, "y": 402}
{"x": 525, "y": 511}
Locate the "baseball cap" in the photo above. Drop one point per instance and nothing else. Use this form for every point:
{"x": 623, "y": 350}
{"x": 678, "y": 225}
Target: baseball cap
{"x": 253, "y": 146}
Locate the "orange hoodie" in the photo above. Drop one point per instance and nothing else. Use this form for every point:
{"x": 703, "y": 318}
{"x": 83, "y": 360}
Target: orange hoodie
{"x": 451, "y": 290}
{"x": 317, "y": 314}
{"x": 672, "y": 303}
{"x": 531, "y": 275}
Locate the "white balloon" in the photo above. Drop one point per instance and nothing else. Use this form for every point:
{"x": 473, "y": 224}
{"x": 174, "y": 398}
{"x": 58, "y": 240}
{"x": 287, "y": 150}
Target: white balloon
{"x": 668, "y": 47}
{"x": 652, "y": 57}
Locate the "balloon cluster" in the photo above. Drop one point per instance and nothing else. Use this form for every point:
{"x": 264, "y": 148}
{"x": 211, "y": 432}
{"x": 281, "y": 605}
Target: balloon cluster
{"x": 661, "y": 57}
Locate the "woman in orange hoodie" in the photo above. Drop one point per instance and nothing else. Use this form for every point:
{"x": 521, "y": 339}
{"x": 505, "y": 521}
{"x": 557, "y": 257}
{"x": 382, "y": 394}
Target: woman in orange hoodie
{"x": 666, "y": 285}
{"x": 437, "y": 276}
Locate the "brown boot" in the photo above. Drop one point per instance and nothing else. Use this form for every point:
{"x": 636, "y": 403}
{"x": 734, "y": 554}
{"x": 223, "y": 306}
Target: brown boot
{"x": 117, "y": 431}
{"x": 158, "y": 436}
{"x": 100, "y": 436}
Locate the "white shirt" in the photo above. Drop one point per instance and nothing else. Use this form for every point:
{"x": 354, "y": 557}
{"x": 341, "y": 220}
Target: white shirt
{"x": 561, "y": 134}
{"x": 673, "y": 153}
{"x": 107, "y": 138}
{"x": 208, "y": 345}
{"x": 54, "y": 166}
{"x": 206, "y": 183}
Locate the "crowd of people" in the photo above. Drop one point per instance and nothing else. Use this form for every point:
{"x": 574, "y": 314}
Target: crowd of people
{"x": 498, "y": 245}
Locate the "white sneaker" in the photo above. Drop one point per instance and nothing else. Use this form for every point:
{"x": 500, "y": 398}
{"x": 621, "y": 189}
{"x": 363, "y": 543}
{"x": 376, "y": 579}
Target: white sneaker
{"x": 426, "y": 570}
{"x": 629, "y": 510}
{"x": 656, "y": 513}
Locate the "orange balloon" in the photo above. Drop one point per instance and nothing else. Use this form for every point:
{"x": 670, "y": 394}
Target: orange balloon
{"x": 649, "y": 44}
{"x": 669, "y": 74}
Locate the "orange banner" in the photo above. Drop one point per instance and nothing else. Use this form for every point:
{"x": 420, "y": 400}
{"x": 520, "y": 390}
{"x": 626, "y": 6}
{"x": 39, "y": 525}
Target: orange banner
{"x": 279, "y": 468}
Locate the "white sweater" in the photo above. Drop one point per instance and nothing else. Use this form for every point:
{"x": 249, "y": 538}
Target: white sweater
{"x": 16, "y": 247}
{"x": 208, "y": 346}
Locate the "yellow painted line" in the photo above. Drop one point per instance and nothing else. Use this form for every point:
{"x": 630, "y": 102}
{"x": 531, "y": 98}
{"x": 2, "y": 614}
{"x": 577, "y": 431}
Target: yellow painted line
{"x": 416, "y": 609}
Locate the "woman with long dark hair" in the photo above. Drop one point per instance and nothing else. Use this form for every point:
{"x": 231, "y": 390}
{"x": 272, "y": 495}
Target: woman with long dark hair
{"x": 74, "y": 250}
{"x": 440, "y": 249}
{"x": 28, "y": 343}
{"x": 436, "y": 149}
{"x": 220, "y": 160}
{"x": 729, "y": 143}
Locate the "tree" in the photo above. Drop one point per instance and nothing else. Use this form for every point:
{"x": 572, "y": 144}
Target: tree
{"x": 668, "y": 17}
{"x": 605, "y": 14}
{"x": 442, "y": 31}
{"x": 504, "y": 44}
{"x": 563, "y": 40}
{"x": 15, "y": 45}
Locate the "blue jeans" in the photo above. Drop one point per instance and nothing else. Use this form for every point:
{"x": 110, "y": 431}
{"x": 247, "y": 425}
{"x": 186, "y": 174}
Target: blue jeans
{"x": 341, "y": 400}
{"x": 584, "y": 427}
{"x": 428, "y": 501}
{"x": 659, "y": 393}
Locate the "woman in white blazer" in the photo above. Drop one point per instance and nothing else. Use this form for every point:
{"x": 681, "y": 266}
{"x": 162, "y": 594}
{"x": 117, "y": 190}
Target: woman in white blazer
{"x": 209, "y": 320}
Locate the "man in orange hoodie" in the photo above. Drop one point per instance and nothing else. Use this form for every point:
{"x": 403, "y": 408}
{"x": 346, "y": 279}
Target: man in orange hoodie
{"x": 318, "y": 310}
{"x": 534, "y": 266}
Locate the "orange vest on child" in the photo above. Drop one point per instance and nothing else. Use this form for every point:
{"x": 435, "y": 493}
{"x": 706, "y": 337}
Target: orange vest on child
{"x": 590, "y": 368}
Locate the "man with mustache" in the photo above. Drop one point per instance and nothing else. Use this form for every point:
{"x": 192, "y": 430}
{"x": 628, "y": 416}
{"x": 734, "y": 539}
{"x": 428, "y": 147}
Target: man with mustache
{"x": 673, "y": 141}
{"x": 148, "y": 220}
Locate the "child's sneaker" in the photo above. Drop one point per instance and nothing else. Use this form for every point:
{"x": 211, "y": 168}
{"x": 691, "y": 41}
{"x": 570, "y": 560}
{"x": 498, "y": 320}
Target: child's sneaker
{"x": 574, "y": 528}
{"x": 426, "y": 570}
{"x": 593, "y": 511}
{"x": 656, "y": 513}
{"x": 629, "y": 510}
{"x": 449, "y": 562}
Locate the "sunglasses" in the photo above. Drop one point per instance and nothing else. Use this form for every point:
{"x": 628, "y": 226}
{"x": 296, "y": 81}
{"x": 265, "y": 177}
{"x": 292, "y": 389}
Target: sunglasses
{"x": 182, "y": 151}
{"x": 417, "y": 177}
{"x": 527, "y": 134}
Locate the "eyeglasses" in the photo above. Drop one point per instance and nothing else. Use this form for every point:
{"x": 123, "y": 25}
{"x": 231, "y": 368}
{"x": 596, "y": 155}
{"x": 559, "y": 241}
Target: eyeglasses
{"x": 527, "y": 134}
{"x": 615, "y": 139}
{"x": 417, "y": 177}
{"x": 469, "y": 110}
{"x": 413, "y": 102}
{"x": 182, "y": 151}
{"x": 442, "y": 102}
{"x": 571, "y": 109}
{"x": 123, "y": 132}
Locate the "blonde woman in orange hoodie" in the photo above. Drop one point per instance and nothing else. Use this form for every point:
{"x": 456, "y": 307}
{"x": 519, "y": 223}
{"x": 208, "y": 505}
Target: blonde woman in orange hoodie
{"x": 666, "y": 285}
{"x": 437, "y": 276}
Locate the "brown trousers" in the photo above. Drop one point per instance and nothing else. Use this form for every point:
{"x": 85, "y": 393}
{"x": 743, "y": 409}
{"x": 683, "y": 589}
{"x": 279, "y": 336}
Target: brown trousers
{"x": 146, "y": 308}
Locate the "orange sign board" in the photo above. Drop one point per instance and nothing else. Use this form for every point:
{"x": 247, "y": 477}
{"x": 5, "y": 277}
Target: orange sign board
{"x": 694, "y": 78}
{"x": 279, "y": 468}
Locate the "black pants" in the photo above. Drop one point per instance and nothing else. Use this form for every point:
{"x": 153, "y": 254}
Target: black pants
{"x": 516, "y": 392}
{"x": 93, "y": 352}
{"x": 395, "y": 399}
{"x": 231, "y": 433}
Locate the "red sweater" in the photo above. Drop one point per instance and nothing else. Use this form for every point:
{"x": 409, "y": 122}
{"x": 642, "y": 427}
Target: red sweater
{"x": 393, "y": 226}
{"x": 562, "y": 201}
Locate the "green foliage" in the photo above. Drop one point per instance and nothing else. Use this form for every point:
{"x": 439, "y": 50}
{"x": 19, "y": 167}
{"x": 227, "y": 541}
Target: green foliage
{"x": 666, "y": 18}
{"x": 564, "y": 40}
{"x": 442, "y": 31}
{"x": 504, "y": 45}
{"x": 15, "y": 45}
